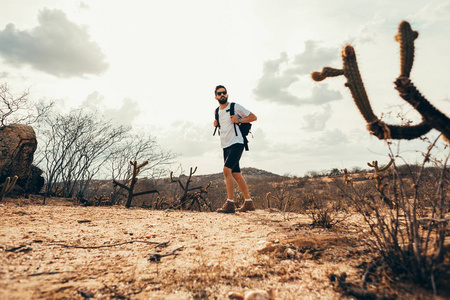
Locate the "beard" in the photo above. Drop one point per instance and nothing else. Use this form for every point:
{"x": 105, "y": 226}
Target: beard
{"x": 223, "y": 100}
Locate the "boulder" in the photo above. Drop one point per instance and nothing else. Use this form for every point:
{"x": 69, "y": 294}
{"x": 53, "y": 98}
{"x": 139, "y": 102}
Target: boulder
{"x": 17, "y": 145}
{"x": 35, "y": 181}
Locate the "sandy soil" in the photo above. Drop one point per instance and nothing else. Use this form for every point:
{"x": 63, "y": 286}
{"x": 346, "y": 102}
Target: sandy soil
{"x": 71, "y": 252}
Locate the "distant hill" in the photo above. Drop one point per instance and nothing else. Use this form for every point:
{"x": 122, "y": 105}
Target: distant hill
{"x": 248, "y": 173}
{"x": 217, "y": 179}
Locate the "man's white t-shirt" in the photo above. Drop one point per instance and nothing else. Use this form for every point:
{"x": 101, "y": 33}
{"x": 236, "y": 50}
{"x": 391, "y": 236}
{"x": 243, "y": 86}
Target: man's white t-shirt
{"x": 228, "y": 136}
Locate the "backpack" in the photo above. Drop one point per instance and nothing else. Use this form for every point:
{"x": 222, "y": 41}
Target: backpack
{"x": 243, "y": 127}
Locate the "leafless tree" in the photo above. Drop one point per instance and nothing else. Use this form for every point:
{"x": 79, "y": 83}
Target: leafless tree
{"x": 20, "y": 109}
{"x": 74, "y": 148}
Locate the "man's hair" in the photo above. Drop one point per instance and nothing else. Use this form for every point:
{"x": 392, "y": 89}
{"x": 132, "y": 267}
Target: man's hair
{"x": 219, "y": 87}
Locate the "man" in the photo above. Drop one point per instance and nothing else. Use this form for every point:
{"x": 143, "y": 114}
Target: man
{"x": 232, "y": 143}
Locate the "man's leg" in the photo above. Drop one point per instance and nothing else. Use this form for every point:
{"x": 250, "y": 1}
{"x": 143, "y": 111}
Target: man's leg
{"x": 229, "y": 206}
{"x": 242, "y": 184}
{"x": 248, "y": 203}
{"x": 232, "y": 155}
{"x": 229, "y": 182}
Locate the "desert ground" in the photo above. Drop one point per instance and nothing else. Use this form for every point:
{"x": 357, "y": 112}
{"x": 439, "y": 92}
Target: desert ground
{"x": 64, "y": 251}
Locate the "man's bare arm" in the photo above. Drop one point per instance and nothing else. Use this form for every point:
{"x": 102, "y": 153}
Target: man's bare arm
{"x": 250, "y": 118}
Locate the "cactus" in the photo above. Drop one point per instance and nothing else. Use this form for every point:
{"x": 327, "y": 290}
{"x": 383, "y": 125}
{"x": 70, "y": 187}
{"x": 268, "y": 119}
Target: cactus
{"x": 191, "y": 197}
{"x": 268, "y": 195}
{"x": 431, "y": 117}
{"x": 378, "y": 177}
{"x": 136, "y": 169}
{"x": 7, "y": 186}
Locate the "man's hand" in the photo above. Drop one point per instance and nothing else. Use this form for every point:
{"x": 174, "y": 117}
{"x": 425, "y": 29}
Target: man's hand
{"x": 215, "y": 123}
{"x": 234, "y": 119}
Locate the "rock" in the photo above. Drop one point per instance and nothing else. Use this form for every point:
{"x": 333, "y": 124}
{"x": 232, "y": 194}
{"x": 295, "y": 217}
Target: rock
{"x": 235, "y": 296}
{"x": 266, "y": 248}
{"x": 258, "y": 295}
{"x": 290, "y": 253}
{"x": 35, "y": 181}
{"x": 253, "y": 295}
{"x": 17, "y": 145}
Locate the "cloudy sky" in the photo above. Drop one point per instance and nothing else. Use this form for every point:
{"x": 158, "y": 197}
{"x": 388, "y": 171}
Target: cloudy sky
{"x": 154, "y": 65}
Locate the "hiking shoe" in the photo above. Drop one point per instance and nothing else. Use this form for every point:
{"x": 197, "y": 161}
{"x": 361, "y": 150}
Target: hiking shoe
{"x": 248, "y": 206}
{"x": 227, "y": 208}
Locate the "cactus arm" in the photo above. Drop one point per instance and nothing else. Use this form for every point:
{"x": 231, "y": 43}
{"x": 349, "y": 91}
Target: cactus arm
{"x": 354, "y": 82}
{"x": 120, "y": 184}
{"x": 356, "y": 85}
{"x": 436, "y": 119}
{"x": 7, "y": 186}
{"x": 207, "y": 186}
{"x": 385, "y": 131}
{"x": 143, "y": 164}
{"x": 386, "y": 166}
{"x": 374, "y": 165}
{"x": 432, "y": 117}
{"x": 326, "y": 72}
{"x": 11, "y": 185}
{"x": 405, "y": 37}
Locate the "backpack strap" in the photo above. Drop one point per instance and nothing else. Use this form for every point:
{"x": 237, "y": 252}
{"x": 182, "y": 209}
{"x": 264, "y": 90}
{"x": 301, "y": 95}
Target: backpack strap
{"x": 217, "y": 119}
{"x": 232, "y": 114}
{"x": 235, "y": 130}
{"x": 245, "y": 143}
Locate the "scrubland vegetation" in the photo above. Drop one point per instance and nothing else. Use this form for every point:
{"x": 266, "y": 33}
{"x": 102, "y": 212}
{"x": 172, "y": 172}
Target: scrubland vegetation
{"x": 371, "y": 232}
{"x": 404, "y": 208}
{"x": 401, "y": 209}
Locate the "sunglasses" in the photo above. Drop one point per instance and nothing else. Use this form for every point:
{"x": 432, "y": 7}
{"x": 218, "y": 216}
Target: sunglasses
{"x": 221, "y": 93}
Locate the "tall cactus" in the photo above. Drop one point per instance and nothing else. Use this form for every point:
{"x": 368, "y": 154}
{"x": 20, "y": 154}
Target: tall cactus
{"x": 431, "y": 117}
{"x": 7, "y": 186}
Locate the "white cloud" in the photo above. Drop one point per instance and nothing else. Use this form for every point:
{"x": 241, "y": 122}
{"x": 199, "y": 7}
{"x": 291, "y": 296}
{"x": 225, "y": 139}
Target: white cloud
{"x": 56, "y": 46}
{"x": 368, "y": 32}
{"x": 123, "y": 115}
{"x": 434, "y": 12}
{"x": 188, "y": 139}
{"x": 83, "y": 5}
{"x": 279, "y": 75}
{"x": 317, "y": 121}
{"x": 313, "y": 58}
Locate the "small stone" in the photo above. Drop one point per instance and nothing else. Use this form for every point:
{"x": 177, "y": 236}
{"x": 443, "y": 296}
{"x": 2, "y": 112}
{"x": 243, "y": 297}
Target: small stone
{"x": 235, "y": 296}
{"x": 257, "y": 295}
{"x": 290, "y": 253}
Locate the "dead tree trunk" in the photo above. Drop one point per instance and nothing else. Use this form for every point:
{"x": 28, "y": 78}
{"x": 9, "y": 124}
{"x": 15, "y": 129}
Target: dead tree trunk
{"x": 134, "y": 179}
{"x": 192, "y": 196}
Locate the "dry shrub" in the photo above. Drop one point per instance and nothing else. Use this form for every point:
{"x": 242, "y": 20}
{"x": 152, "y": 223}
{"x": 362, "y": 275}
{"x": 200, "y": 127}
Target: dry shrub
{"x": 316, "y": 197}
{"x": 324, "y": 207}
{"x": 410, "y": 235}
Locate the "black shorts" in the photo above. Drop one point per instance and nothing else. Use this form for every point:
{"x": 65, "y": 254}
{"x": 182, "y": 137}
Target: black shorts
{"x": 231, "y": 157}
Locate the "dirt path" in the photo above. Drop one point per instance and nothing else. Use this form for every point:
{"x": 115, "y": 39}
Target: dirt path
{"x": 41, "y": 254}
